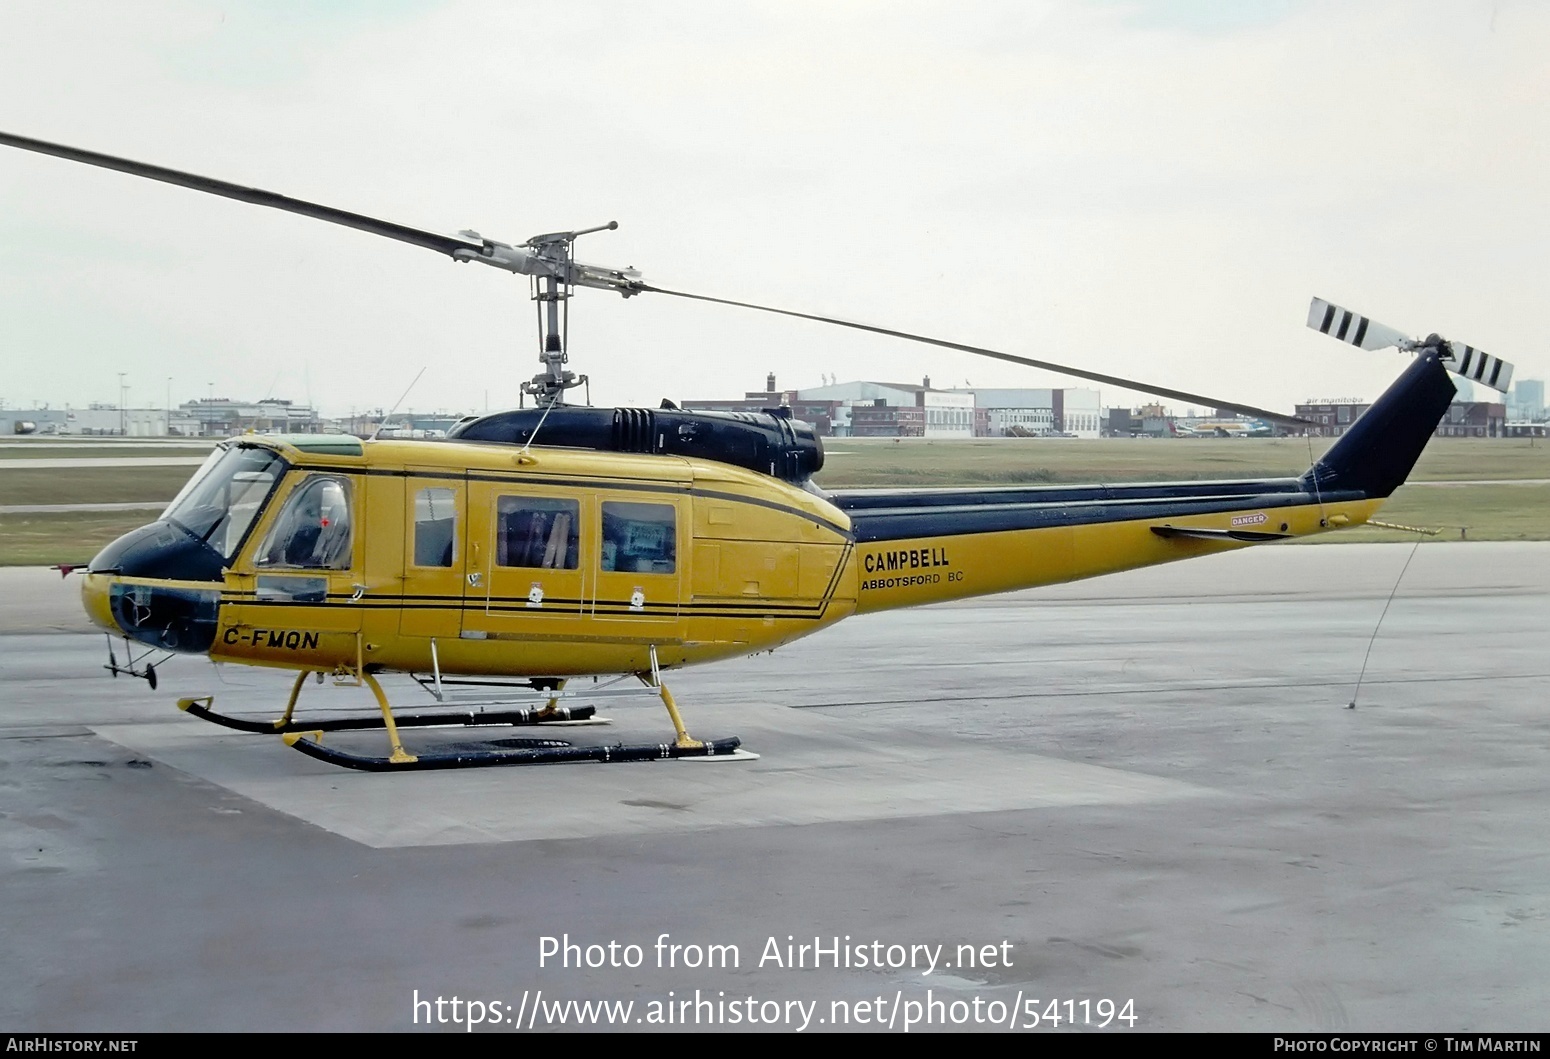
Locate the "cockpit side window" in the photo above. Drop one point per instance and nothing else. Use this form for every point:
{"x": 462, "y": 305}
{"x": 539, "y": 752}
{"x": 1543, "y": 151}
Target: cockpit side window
{"x": 313, "y": 531}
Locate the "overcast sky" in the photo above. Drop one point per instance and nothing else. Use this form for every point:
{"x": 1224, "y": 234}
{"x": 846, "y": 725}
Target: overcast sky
{"x": 1149, "y": 189}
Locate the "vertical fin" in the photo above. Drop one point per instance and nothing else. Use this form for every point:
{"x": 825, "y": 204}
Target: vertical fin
{"x": 1375, "y": 455}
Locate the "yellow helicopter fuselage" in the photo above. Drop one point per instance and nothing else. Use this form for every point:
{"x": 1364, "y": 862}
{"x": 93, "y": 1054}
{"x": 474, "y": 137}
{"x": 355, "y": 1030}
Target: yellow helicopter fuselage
{"x": 484, "y": 559}
{"x": 459, "y": 548}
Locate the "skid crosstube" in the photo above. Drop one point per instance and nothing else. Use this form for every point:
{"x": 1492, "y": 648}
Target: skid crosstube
{"x": 469, "y": 719}
{"x": 529, "y": 752}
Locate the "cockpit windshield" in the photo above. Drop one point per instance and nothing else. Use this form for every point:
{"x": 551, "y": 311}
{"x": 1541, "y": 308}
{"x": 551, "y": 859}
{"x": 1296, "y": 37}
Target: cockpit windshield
{"x": 220, "y": 502}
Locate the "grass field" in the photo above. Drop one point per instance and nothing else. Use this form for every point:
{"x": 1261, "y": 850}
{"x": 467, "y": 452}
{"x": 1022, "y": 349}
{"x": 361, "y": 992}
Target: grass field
{"x": 43, "y": 540}
{"x": 1009, "y": 461}
{"x": 90, "y": 485}
{"x": 85, "y": 451}
{"x": 1460, "y": 512}
{"x": 1481, "y": 510}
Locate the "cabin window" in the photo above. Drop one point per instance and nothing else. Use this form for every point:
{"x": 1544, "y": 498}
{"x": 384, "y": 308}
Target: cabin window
{"x": 313, "y": 531}
{"x": 535, "y": 532}
{"x": 642, "y": 538}
{"x": 435, "y": 526}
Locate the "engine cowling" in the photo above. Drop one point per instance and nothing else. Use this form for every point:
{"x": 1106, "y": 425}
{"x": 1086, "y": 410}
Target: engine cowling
{"x": 768, "y": 442}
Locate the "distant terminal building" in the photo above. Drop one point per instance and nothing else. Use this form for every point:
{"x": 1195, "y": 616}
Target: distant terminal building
{"x": 1121, "y": 423}
{"x": 827, "y": 417}
{"x": 207, "y": 417}
{"x": 1037, "y": 412}
{"x": 97, "y": 420}
{"x": 899, "y": 410}
{"x": 869, "y": 408}
{"x": 1148, "y": 421}
{"x": 1465, "y": 419}
{"x": 223, "y": 417}
{"x": 400, "y": 425}
{"x": 1334, "y": 415}
{"x": 1474, "y": 419}
{"x": 863, "y": 409}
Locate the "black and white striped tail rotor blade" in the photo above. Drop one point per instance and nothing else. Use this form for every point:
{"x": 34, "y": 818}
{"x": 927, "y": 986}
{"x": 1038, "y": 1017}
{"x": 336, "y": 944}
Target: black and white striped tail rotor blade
{"x": 1330, "y": 319}
{"x": 1365, "y": 333}
{"x": 1477, "y": 366}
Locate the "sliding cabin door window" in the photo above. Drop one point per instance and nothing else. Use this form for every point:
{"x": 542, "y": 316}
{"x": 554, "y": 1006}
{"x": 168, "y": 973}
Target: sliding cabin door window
{"x": 537, "y": 533}
{"x": 435, "y": 527}
{"x": 637, "y": 562}
{"x": 640, "y": 538}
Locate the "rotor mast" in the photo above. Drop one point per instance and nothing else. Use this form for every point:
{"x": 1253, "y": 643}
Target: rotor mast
{"x": 555, "y": 272}
{"x": 551, "y": 295}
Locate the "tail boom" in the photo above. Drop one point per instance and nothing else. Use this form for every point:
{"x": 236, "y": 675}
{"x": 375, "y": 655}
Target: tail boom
{"x": 915, "y": 547}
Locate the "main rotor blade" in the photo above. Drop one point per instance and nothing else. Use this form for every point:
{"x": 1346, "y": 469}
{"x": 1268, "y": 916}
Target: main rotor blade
{"x": 1064, "y": 369}
{"x": 446, "y": 244}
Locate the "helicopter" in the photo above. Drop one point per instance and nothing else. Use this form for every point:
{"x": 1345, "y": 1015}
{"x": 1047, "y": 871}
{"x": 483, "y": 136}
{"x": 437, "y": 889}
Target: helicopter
{"x": 537, "y": 548}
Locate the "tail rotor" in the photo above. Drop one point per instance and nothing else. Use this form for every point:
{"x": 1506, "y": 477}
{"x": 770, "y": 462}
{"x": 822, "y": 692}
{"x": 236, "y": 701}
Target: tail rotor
{"x": 1366, "y": 333}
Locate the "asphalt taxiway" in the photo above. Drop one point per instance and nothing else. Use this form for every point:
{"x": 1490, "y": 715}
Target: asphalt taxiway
{"x": 1148, "y": 786}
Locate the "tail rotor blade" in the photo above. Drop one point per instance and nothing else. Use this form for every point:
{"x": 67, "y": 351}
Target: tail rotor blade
{"x": 1479, "y": 367}
{"x": 1360, "y": 331}
{"x": 1365, "y": 333}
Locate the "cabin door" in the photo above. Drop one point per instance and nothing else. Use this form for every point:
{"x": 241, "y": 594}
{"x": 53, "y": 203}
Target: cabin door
{"x": 526, "y": 572}
{"x": 311, "y": 558}
{"x": 435, "y": 554}
{"x": 640, "y": 558}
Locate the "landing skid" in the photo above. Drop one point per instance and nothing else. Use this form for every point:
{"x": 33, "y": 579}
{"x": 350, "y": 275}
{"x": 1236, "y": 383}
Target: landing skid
{"x": 515, "y": 752}
{"x": 307, "y": 736}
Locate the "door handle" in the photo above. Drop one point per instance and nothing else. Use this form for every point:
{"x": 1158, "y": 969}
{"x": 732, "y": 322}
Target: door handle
{"x": 474, "y": 579}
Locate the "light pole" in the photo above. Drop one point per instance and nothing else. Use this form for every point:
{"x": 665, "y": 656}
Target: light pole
{"x": 123, "y": 415}
{"x": 168, "y": 425}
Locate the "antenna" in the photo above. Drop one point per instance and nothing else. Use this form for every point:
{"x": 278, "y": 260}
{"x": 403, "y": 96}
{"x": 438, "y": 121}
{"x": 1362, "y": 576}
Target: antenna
{"x": 383, "y": 421}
